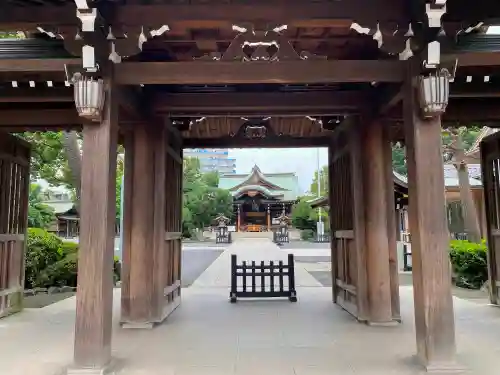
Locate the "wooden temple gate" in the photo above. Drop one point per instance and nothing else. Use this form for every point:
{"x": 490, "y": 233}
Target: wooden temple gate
{"x": 296, "y": 74}
{"x": 14, "y": 190}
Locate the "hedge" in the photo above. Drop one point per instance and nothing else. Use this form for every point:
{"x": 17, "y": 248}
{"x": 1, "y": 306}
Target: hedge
{"x": 51, "y": 261}
{"x": 469, "y": 262}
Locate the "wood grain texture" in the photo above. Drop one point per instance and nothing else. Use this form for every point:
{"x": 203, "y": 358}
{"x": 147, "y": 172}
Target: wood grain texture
{"x": 392, "y": 229}
{"x": 359, "y": 219}
{"x": 376, "y": 186}
{"x": 98, "y": 205}
{"x": 434, "y": 319}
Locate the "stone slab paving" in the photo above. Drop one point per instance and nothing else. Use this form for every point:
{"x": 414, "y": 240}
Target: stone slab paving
{"x": 208, "y": 335}
{"x": 257, "y": 249}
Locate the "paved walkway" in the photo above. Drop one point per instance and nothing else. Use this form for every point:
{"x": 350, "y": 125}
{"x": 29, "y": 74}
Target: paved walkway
{"x": 219, "y": 275}
{"x": 208, "y": 335}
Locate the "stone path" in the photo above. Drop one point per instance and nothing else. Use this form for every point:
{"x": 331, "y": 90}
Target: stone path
{"x": 208, "y": 335}
{"x": 218, "y": 274}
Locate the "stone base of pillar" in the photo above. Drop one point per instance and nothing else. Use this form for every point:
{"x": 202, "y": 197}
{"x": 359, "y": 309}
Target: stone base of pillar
{"x": 441, "y": 368}
{"x": 110, "y": 368}
{"x": 391, "y": 323}
{"x": 137, "y": 325}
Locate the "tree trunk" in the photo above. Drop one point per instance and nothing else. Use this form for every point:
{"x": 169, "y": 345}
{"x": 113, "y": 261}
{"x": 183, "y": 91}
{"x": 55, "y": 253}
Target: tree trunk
{"x": 73, "y": 154}
{"x": 471, "y": 220}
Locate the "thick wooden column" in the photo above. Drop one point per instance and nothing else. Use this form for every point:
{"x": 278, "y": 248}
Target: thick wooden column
{"x": 138, "y": 242}
{"x": 434, "y": 320}
{"x": 392, "y": 226}
{"x": 376, "y": 222}
{"x": 94, "y": 297}
{"x": 152, "y": 229}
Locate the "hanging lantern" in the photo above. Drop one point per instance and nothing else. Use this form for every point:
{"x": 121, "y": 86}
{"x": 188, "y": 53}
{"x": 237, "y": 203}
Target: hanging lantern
{"x": 89, "y": 97}
{"x": 434, "y": 90}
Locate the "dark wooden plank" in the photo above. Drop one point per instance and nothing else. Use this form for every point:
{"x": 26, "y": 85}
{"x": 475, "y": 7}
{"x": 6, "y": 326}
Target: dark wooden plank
{"x": 235, "y": 72}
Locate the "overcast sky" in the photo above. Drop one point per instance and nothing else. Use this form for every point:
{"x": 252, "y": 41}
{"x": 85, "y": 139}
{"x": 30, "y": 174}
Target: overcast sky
{"x": 302, "y": 161}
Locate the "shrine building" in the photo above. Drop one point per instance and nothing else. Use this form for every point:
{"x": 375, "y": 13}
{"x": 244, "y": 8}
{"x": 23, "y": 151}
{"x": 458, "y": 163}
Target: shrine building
{"x": 260, "y": 199}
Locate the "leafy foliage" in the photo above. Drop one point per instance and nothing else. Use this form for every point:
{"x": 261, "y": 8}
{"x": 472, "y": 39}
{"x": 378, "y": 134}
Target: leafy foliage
{"x": 307, "y": 234}
{"x": 43, "y": 250}
{"x": 323, "y": 173}
{"x": 53, "y": 262}
{"x": 203, "y": 200}
{"x": 469, "y": 262}
{"x": 303, "y": 215}
{"x": 40, "y": 215}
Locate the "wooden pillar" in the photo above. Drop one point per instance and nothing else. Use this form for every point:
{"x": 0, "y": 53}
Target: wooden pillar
{"x": 392, "y": 227}
{"x": 144, "y": 227}
{"x": 94, "y": 297}
{"x": 434, "y": 319}
{"x": 268, "y": 219}
{"x": 376, "y": 223}
{"x": 238, "y": 219}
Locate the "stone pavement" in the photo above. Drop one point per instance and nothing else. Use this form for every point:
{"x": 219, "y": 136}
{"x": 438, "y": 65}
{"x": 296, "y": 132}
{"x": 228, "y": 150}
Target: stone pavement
{"x": 208, "y": 335}
{"x": 218, "y": 273}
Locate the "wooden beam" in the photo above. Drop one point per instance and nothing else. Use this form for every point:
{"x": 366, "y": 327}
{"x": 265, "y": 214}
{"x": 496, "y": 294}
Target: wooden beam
{"x": 392, "y": 96}
{"x": 35, "y": 65}
{"x": 270, "y": 142}
{"x": 463, "y": 111}
{"x": 263, "y": 103}
{"x": 14, "y": 118}
{"x": 36, "y": 95}
{"x": 275, "y": 11}
{"x": 468, "y": 59}
{"x": 235, "y": 72}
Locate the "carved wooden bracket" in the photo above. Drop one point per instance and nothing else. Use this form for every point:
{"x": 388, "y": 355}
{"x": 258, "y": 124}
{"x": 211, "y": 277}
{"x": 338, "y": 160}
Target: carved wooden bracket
{"x": 260, "y": 45}
{"x": 255, "y": 129}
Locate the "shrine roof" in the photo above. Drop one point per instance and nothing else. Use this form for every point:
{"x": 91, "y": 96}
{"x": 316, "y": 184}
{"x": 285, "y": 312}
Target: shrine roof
{"x": 286, "y": 184}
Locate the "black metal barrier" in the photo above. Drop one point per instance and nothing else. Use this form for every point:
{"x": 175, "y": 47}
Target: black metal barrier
{"x": 223, "y": 238}
{"x": 322, "y": 238}
{"x": 267, "y": 275}
{"x": 280, "y": 237}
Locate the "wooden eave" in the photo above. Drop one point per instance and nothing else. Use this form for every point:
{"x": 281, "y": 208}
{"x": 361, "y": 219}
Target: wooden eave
{"x": 38, "y": 61}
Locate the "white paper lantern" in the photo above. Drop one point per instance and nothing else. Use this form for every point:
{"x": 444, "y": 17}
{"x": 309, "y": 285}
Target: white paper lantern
{"x": 434, "y": 91}
{"x": 89, "y": 97}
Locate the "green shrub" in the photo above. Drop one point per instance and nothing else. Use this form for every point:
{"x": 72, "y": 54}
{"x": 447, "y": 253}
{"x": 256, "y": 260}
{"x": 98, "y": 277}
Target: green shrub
{"x": 307, "y": 234}
{"x": 469, "y": 262}
{"x": 117, "y": 270}
{"x": 53, "y": 262}
{"x": 68, "y": 247}
{"x": 43, "y": 250}
{"x": 60, "y": 273}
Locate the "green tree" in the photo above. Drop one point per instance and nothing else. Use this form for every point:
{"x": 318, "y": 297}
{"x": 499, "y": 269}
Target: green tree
{"x": 40, "y": 215}
{"x": 399, "y": 159}
{"x": 211, "y": 179}
{"x": 202, "y": 200}
{"x": 313, "y": 189}
{"x": 303, "y": 215}
{"x": 456, "y": 142}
